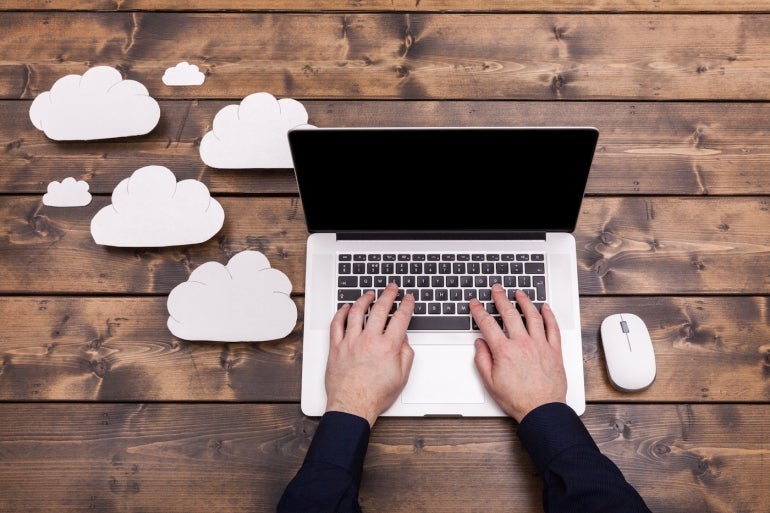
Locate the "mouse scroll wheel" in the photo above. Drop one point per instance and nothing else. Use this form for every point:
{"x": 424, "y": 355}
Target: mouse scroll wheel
{"x": 624, "y": 326}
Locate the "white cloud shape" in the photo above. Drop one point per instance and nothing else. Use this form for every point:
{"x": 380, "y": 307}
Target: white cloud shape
{"x": 152, "y": 209}
{"x": 253, "y": 133}
{"x": 67, "y": 193}
{"x": 183, "y": 74}
{"x": 245, "y": 301}
{"x": 96, "y": 105}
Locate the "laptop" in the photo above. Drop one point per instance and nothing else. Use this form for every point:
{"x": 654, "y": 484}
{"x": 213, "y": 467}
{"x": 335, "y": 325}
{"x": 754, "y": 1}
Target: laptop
{"x": 414, "y": 205}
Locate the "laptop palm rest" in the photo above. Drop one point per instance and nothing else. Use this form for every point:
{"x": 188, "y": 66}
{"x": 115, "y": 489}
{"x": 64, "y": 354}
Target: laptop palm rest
{"x": 443, "y": 374}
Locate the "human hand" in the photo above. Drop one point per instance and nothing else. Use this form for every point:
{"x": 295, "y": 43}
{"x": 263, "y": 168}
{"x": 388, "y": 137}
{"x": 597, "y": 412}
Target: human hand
{"x": 523, "y": 369}
{"x": 369, "y": 365}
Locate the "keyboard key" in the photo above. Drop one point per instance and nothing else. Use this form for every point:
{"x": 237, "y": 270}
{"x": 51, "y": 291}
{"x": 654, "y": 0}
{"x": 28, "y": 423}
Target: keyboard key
{"x": 440, "y": 322}
{"x": 534, "y": 268}
{"x": 345, "y": 295}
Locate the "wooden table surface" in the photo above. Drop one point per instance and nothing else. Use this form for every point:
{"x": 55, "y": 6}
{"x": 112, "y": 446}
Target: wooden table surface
{"x": 103, "y": 409}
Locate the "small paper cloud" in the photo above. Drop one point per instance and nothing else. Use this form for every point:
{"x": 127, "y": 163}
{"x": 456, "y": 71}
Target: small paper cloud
{"x": 67, "y": 193}
{"x": 152, "y": 209}
{"x": 183, "y": 74}
{"x": 253, "y": 133}
{"x": 245, "y": 301}
{"x": 96, "y": 105}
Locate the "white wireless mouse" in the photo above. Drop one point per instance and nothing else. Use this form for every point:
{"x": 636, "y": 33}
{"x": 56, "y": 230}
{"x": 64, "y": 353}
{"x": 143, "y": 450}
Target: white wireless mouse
{"x": 628, "y": 351}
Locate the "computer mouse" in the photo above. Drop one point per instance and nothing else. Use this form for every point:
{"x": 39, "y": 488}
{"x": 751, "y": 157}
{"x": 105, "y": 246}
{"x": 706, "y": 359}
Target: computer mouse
{"x": 628, "y": 352}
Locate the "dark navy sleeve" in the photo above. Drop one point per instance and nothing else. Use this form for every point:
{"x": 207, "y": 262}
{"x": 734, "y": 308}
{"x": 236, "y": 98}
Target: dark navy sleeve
{"x": 330, "y": 476}
{"x": 576, "y": 475}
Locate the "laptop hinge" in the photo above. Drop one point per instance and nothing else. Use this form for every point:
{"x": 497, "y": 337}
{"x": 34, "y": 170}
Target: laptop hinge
{"x": 476, "y": 235}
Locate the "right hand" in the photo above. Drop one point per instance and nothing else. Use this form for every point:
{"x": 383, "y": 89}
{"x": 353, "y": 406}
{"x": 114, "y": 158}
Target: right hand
{"x": 523, "y": 369}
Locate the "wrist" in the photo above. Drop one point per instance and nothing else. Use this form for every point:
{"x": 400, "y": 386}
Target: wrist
{"x": 365, "y": 413}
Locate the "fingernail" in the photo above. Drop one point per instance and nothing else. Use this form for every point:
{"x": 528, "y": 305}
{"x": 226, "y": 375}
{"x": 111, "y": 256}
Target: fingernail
{"x": 497, "y": 286}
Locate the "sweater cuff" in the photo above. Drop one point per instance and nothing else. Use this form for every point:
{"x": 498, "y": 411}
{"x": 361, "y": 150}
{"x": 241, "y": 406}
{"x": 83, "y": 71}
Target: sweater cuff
{"x": 341, "y": 439}
{"x": 550, "y": 429}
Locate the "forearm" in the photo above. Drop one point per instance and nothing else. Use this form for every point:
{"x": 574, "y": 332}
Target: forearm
{"x": 330, "y": 476}
{"x": 576, "y": 475}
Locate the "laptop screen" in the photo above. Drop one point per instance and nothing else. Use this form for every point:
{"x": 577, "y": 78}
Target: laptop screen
{"x": 408, "y": 180}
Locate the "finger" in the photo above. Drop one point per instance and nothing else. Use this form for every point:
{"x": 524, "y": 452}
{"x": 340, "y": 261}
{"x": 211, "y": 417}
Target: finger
{"x": 552, "y": 332}
{"x": 357, "y": 313}
{"x": 508, "y": 312}
{"x": 399, "y": 321}
{"x": 488, "y": 326}
{"x": 531, "y": 314}
{"x": 378, "y": 316}
{"x": 337, "y": 328}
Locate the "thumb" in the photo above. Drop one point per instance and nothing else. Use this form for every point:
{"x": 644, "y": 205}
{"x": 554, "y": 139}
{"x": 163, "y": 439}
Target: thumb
{"x": 407, "y": 357}
{"x": 483, "y": 359}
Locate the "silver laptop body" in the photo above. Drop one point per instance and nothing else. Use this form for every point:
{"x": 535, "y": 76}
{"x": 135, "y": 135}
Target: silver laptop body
{"x": 407, "y": 193}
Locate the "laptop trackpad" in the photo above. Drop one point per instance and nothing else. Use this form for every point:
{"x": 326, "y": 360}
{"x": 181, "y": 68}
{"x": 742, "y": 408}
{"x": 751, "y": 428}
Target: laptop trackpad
{"x": 443, "y": 374}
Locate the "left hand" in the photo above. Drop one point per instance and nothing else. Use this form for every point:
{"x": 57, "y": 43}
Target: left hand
{"x": 369, "y": 365}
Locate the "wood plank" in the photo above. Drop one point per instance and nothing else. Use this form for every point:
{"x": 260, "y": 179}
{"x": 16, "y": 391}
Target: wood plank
{"x": 119, "y": 349}
{"x": 659, "y": 246}
{"x": 684, "y": 148}
{"x": 612, "y": 6}
{"x": 706, "y": 348}
{"x": 199, "y": 457}
{"x": 41, "y": 243}
{"x": 400, "y": 55}
{"x": 700, "y": 245}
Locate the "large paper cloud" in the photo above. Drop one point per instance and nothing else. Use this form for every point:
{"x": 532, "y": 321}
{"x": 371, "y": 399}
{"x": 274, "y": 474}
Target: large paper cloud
{"x": 152, "y": 209}
{"x": 67, "y": 193}
{"x": 253, "y": 133}
{"x": 96, "y": 105}
{"x": 183, "y": 74}
{"x": 245, "y": 301}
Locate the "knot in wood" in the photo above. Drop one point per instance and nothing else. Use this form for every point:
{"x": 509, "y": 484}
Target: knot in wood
{"x": 99, "y": 367}
{"x": 607, "y": 237}
{"x": 622, "y": 428}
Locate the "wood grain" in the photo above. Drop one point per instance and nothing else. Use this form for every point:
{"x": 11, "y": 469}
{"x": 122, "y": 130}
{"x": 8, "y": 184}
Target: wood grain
{"x": 695, "y": 246}
{"x": 41, "y": 243}
{"x": 120, "y": 349}
{"x": 501, "y": 6}
{"x": 708, "y": 349}
{"x": 412, "y": 56}
{"x": 102, "y": 408}
{"x": 203, "y": 457}
{"x": 666, "y": 148}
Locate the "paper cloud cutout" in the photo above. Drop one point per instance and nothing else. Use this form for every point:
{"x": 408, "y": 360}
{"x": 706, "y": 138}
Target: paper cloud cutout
{"x": 183, "y": 74}
{"x": 245, "y": 301}
{"x": 67, "y": 193}
{"x": 253, "y": 133}
{"x": 96, "y": 105}
{"x": 151, "y": 209}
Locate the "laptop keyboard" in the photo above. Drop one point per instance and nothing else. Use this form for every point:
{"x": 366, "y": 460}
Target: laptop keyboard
{"x": 442, "y": 283}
